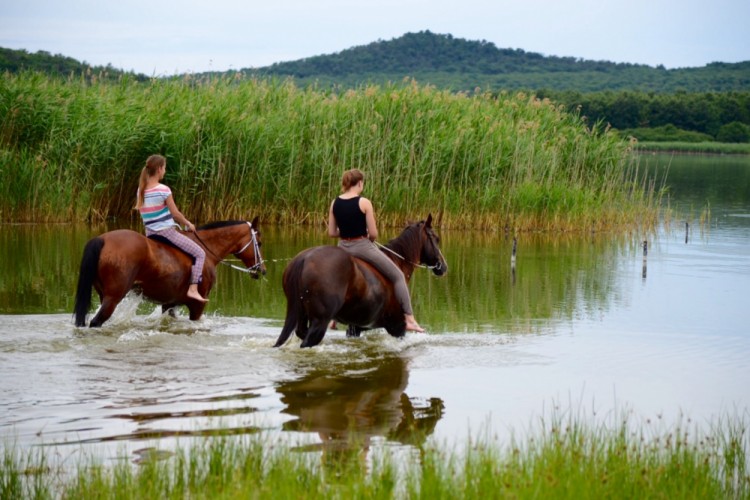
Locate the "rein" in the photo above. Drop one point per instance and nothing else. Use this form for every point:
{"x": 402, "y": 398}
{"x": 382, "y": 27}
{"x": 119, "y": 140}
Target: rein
{"x": 437, "y": 266}
{"x": 256, "y": 249}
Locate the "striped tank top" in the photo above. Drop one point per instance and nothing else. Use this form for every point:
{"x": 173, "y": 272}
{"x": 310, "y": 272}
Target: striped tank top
{"x": 154, "y": 212}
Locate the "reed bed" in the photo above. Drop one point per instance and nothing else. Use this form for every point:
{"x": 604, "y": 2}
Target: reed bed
{"x": 565, "y": 457}
{"x": 71, "y": 150}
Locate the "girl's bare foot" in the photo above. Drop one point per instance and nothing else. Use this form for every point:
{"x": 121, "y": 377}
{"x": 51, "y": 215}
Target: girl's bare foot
{"x": 194, "y": 294}
{"x": 412, "y": 325}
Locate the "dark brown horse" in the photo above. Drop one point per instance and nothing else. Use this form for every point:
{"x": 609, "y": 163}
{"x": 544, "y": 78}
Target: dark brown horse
{"x": 117, "y": 261}
{"x": 325, "y": 283}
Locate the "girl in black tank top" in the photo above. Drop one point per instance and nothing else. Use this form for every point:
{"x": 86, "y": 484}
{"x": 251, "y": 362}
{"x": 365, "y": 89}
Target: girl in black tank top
{"x": 352, "y": 219}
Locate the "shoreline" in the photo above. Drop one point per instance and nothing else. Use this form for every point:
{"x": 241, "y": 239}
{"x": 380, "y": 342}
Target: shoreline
{"x": 693, "y": 148}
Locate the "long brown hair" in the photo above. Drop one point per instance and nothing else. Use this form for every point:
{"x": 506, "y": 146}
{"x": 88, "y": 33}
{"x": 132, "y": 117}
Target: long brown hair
{"x": 351, "y": 178}
{"x": 153, "y": 164}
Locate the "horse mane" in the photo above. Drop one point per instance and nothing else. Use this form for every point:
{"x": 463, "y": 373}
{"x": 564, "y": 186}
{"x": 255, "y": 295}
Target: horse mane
{"x": 407, "y": 241}
{"x": 220, "y": 224}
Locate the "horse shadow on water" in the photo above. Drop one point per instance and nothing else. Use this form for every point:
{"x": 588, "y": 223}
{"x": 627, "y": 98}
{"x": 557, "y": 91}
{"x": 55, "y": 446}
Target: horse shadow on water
{"x": 117, "y": 261}
{"x": 349, "y": 408}
{"x": 326, "y": 283}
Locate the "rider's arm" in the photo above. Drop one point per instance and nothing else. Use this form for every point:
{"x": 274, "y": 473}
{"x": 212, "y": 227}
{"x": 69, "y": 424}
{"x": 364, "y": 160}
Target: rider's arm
{"x": 177, "y": 215}
{"x": 366, "y": 206}
{"x": 333, "y": 228}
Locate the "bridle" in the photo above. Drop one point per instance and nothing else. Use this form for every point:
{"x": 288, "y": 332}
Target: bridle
{"x": 254, "y": 269}
{"x": 437, "y": 267}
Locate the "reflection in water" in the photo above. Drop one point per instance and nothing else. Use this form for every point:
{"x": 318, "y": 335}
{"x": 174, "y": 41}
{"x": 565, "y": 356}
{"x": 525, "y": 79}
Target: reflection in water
{"x": 350, "y": 407}
{"x": 552, "y": 277}
{"x": 142, "y": 421}
{"x": 144, "y": 381}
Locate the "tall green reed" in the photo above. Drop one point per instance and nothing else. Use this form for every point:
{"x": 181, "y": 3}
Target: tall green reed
{"x": 241, "y": 147}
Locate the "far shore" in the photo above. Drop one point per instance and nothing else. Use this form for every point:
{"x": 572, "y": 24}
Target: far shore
{"x": 707, "y": 148}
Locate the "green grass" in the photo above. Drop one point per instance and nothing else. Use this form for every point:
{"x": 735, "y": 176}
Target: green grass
{"x": 564, "y": 458}
{"x": 71, "y": 150}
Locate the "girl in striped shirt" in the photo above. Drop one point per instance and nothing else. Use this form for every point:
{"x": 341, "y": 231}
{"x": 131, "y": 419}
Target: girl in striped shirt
{"x": 159, "y": 213}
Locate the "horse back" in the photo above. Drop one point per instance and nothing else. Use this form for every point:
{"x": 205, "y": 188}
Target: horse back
{"x": 127, "y": 241}
{"x": 132, "y": 252}
{"x": 328, "y": 277}
{"x": 318, "y": 269}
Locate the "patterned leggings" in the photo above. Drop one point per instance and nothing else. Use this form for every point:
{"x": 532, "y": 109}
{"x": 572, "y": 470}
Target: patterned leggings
{"x": 184, "y": 243}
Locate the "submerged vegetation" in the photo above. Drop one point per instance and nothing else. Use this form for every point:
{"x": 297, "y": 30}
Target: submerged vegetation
{"x": 71, "y": 150}
{"x": 568, "y": 458}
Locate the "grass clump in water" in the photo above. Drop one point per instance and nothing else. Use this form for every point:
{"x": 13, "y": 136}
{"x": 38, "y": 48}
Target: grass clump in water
{"x": 565, "y": 458}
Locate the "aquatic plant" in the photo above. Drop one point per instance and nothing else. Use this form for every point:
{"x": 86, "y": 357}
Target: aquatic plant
{"x": 71, "y": 150}
{"x": 563, "y": 457}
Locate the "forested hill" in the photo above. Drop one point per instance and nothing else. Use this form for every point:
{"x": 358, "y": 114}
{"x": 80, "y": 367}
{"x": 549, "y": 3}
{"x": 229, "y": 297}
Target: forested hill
{"x": 14, "y": 61}
{"x": 459, "y": 64}
{"x": 446, "y": 62}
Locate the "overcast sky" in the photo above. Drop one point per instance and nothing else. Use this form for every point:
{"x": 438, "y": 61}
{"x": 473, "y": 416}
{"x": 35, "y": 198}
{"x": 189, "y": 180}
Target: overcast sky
{"x": 174, "y": 36}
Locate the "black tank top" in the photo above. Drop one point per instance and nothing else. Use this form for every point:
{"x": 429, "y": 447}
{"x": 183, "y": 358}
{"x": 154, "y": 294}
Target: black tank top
{"x": 350, "y": 219}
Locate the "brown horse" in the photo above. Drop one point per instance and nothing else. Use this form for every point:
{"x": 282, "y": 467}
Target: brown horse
{"x": 117, "y": 261}
{"x": 325, "y": 283}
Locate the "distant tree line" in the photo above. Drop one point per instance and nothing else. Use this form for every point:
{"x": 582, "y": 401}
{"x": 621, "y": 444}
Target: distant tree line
{"x": 15, "y": 61}
{"x": 720, "y": 116}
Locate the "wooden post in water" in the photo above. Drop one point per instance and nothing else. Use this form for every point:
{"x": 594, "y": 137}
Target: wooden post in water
{"x": 645, "y": 255}
{"x": 513, "y": 261}
{"x": 687, "y": 230}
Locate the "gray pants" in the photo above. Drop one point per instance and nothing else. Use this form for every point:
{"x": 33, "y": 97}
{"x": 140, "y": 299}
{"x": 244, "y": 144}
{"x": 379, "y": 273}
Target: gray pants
{"x": 366, "y": 250}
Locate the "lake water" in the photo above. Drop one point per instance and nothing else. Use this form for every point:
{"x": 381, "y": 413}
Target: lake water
{"x": 582, "y": 324}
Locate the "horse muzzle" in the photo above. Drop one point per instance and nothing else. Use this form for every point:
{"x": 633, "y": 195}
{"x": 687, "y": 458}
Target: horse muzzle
{"x": 257, "y": 272}
{"x": 440, "y": 268}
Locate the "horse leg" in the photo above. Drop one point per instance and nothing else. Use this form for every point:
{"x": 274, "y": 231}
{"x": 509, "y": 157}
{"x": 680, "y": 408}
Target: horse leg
{"x": 196, "y": 310}
{"x": 353, "y": 331}
{"x": 316, "y": 332}
{"x": 303, "y": 324}
{"x": 293, "y": 322}
{"x": 109, "y": 303}
{"x": 169, "y": 309}
{"x": 111, "y": 293}
{"x": 397, "y": 329}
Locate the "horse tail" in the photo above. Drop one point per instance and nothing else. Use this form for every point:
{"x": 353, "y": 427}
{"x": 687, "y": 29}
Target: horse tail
{"x": 87, "y": 275}
{"x": 292, "y": 279}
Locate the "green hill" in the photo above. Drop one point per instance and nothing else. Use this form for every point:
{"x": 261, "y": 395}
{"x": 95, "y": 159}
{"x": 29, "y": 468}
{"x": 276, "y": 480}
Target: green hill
{"x": 447, "y": 62}
{"x": 459, "y": 64}
{"x": 14, "y": 61}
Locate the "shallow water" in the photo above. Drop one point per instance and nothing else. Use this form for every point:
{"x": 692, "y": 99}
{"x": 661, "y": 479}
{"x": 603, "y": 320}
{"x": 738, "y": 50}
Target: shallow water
{"x": 582, "y": 323}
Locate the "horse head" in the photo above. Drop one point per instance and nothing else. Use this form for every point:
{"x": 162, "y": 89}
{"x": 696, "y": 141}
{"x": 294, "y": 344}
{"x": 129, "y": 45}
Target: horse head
{"x": 430, "y": 254}
{"x": 250, "y": 254}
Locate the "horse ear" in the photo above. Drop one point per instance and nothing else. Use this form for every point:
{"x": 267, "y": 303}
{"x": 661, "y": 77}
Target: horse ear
{"x": 255, "y": 222}
{"x": 428, "y": 222}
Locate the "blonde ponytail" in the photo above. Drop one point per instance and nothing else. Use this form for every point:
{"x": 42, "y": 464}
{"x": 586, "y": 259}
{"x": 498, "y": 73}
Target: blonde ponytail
{"x": 153, "y": 164}
{"x": 142, "y": 181}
